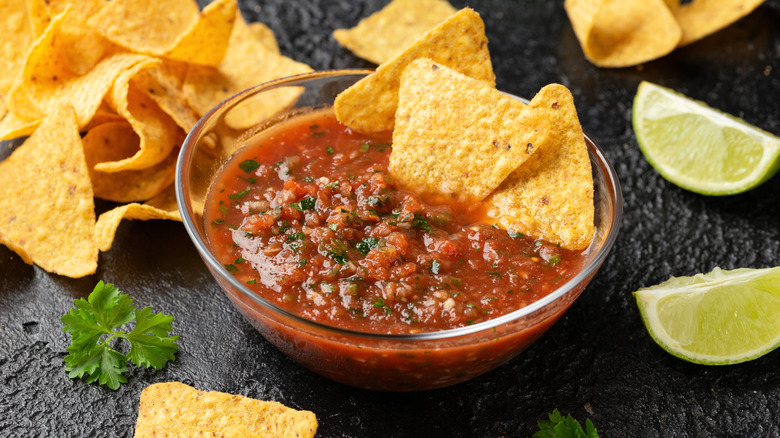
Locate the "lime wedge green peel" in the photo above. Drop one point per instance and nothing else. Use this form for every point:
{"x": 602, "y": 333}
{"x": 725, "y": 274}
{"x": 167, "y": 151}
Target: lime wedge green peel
{"x": 720, "y": 318}
{"x": 700, "y": 148}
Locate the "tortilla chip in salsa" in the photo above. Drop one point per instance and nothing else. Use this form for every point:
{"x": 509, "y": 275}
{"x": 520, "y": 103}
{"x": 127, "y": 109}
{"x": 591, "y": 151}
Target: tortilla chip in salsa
{"x": 459, "y": 43}
{"x": 456, "y": 136}
{"x": 550, "y": 196}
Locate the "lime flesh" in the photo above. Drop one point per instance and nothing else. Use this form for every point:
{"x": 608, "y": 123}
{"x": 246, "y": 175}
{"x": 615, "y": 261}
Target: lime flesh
{"x": 720, "y": 318}
{"x": 700, "y": 148}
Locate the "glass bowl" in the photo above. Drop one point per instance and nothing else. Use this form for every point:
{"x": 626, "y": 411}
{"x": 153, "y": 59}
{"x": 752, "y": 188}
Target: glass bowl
{"x": 399, "y": 362}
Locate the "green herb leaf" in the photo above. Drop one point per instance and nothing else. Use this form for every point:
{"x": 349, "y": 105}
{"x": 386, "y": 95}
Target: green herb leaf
{"x": 419, "y": 221}
{"x": 559, "y": 426}
{"x": 240, "y": 194}
{"x": 308, "y": 203}
{"x": 102, "y": 313}
{"x": 435, "y": 265}
{"x": 367, "y": 244}
{"x": 329, "y": 150}
{"x": 248, "y": 166}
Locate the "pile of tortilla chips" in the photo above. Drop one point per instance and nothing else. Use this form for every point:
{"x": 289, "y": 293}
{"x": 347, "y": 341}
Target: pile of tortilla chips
{"x": 617, "y": 33}
{"x": 456, "y": 137}
{"x": 176, "y": 410}
{"x": 105, "y": 93}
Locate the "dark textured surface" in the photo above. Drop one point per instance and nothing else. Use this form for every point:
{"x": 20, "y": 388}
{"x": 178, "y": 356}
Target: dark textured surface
{"x": 597, "y": 362}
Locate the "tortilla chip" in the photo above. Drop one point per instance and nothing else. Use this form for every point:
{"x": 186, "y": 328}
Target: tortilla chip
{"x": 175, "y": 409}
{"x": 700, "y": 18}
{"x": 17, "y": 38}
{"x": 81, "y": 46}
{"x": 12, "y": 126}
{"x": 247, "y": 63}
{"x": 386, "y": 33}
{"x": 458, "y": 43}
{"x": 113, "y": 142}
{"x": 3, "y": 109}
{"x": 104, "y": 114}
{"x": 166, "y": 201}
{"x": 263, "y": 33}
{"x": 46, "y": 205}
{"x": 157, "y": 131}
{"x": 618, "y": 33}
{"x": 146, "y": 26}
{"x": 550, "y": 196}
{"x": 162, "y": 84}
{"x": 108, "y": 222}
{"x": 206, "y": 41}
{"x": 47, "y": 81}
{"x": 456, "y": 136}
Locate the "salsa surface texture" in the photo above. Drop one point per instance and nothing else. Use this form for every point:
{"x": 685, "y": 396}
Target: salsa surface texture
{"x": 309, "y": 218}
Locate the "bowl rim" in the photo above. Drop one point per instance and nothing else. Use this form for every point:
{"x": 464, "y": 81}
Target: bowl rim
{"x": 183, "y": 164}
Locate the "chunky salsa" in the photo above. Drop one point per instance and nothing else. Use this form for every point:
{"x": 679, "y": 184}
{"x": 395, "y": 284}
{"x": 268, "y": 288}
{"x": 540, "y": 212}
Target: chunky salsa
{"x": 308, "y": 217}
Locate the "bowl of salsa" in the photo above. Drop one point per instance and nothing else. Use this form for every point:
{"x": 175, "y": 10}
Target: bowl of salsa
{"x": 369, "y": 284}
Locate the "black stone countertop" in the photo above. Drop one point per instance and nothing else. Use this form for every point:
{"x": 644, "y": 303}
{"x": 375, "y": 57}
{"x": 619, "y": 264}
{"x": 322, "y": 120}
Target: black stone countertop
{"x": 598, "y": 362}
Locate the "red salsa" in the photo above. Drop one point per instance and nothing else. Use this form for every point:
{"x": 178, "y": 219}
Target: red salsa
{"x": 309, "y": 217}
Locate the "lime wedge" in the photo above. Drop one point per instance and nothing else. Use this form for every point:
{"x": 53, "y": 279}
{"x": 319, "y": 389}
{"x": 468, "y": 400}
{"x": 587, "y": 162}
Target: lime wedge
{"x": 720, "y": 318}
{"x": 700, "y": 148}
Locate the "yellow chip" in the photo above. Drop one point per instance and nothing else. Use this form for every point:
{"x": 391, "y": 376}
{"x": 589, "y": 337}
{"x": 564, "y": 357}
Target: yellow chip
{"x": 47, "y": 81}
{"x": 174, "y": 409}
{"x": 115, "y": 141}
{"x": 146, "y": 26}
{"x": 550, "y": 196}
{"x": 263, "y": 33}
{"x": 386, "y": 33}
{"x": 162, "y": 84}
{"x": 12, "y": 126}
{"x": 459, "y": 43}
{"x": 157, "y": 131}
{"x": 618, "y": 33}
{"x": 456, "y": 136}
{"x": 46, "y": 204}
{"x": 700, "y": 18}
{"x": 166, "y": 201}
{"x": 108, "y": 222}
{"x": 205, "y": 42}
{"x": 81, "y": 46}
{"x": 17, "y": 38}
{"x": 247, "y": 63}
{"x": 3, "y": 109}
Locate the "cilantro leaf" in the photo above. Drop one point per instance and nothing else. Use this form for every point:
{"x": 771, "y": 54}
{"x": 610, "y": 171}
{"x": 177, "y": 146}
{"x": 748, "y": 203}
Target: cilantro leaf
{"x": 559, "y": 426}
{"x": 95, "y": 323}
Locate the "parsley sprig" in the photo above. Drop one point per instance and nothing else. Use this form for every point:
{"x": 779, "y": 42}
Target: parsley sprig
{"x": 95, "y": 323}
{"x": 559, "y": 426}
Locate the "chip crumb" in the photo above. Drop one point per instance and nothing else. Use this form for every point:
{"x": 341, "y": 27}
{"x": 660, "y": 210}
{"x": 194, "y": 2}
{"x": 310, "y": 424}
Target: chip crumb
{"x": 174, "y": 409}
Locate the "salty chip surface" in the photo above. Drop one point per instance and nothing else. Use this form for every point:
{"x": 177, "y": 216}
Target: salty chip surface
{"x": 386, "y": 33}
{"x": 700, "y": 18}
{"x": 456, "y": 136}
{"x": 619, "y": 33}
{"x": 46, "y": 203}
{"x": 550, "y": 196}
{"x": 174, "y": 409}
{"x": 459, "y": 43}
